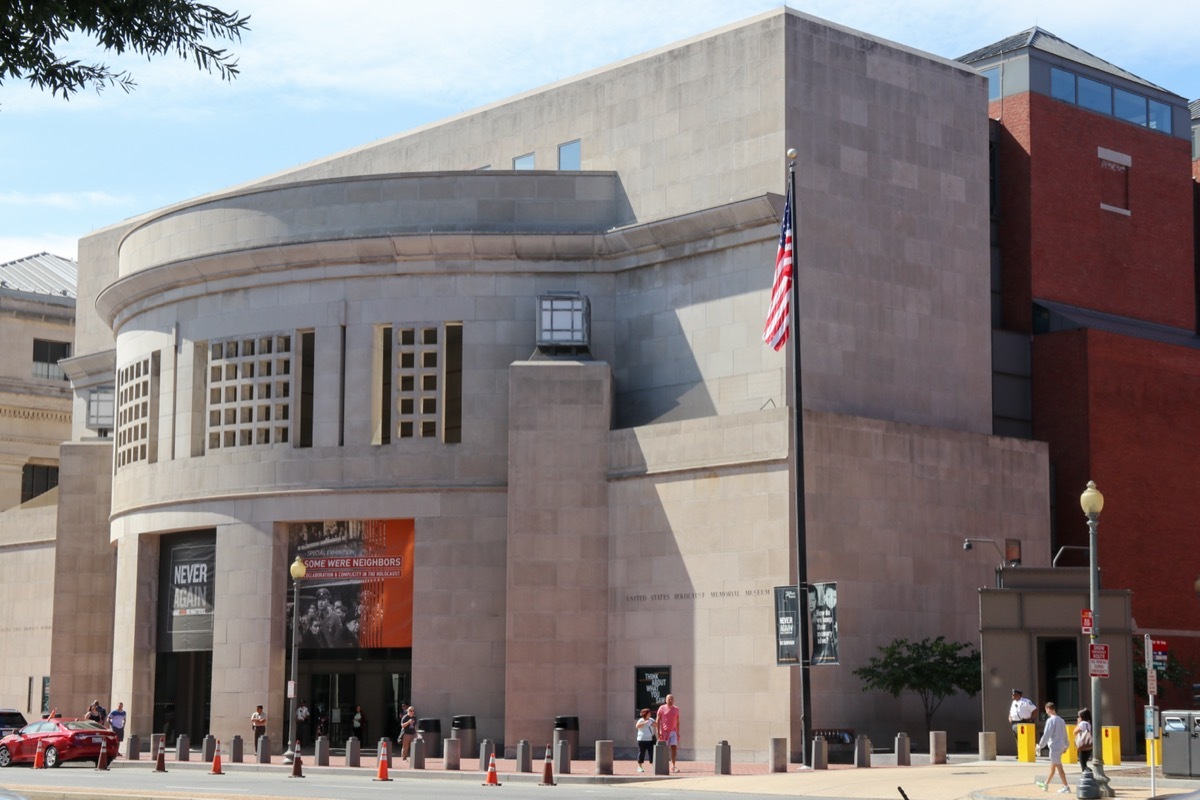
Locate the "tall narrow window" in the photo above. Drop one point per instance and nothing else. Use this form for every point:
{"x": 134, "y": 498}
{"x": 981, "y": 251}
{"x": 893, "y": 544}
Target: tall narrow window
{"x": 1114, "y": 180}
{"x": 37, "y": 479}
{"x": 137, "y": 411}
{"x": 46, "y": 355}
{"x": 569, "y": 155}
{"x": 304, "y": 435}
{"x": 381, "y": 382}
{"x": 452, "y": 382}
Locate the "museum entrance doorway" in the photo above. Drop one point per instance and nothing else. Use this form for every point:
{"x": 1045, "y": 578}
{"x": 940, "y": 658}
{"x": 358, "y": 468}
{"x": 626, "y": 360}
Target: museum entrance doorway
{"x": 378, "y": 681}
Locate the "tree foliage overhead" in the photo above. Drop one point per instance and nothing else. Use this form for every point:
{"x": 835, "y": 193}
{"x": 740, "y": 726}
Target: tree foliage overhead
{"x": 933, "y": 668}
{"x": 32, "y": 31}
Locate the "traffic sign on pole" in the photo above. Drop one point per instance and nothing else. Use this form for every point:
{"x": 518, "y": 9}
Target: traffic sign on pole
{"x": 1098, "y": 660}
{"x": 1086, "y": 621}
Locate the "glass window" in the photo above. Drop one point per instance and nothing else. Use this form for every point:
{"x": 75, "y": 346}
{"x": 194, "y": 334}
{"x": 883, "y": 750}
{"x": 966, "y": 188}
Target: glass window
{"x": 569, "y": 155}
{"x": 1095, "y": 95}
{"x": 1129, "y": 106}
{"x": 993, "y": 79}
{"x": 1160, "y": 116}
{"x": 523, "y": 162}
{"x": 46, "y": 356}
{"x": 101, "y": 405}
{"x": 1062, "y": 85}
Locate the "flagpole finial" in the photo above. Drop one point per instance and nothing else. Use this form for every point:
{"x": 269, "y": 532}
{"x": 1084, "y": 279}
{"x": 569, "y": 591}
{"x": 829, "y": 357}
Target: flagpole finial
{"x": 792, "y": 153}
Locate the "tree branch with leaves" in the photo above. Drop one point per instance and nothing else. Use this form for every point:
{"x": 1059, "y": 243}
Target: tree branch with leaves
{"x": 934, "y": 669}
{"x": 34, "y": 30}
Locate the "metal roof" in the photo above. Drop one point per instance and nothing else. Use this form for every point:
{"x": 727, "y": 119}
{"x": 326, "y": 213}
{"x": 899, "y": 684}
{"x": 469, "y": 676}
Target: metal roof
{"x": 1044, "y": 40}
{"x": 1194, "y": 107}
{"x": 41, "y": 274}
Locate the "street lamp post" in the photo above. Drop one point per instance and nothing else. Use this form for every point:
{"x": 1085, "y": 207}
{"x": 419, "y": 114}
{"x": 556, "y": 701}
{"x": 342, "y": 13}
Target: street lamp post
{"x": 1092, "y": 503}
{"x": 298, "y": 570}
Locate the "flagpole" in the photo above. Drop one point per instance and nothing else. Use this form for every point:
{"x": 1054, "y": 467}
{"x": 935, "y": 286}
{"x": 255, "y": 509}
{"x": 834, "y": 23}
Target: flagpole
{"x": 797, "y": 400}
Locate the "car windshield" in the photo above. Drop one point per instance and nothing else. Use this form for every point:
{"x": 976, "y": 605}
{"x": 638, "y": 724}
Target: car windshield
{"x": 83, "y": 725}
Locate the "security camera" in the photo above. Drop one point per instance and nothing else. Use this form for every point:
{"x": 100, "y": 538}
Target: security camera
{"x": 967, "y": 544}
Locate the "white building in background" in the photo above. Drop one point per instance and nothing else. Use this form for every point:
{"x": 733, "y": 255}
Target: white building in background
{"x": 499, "y": 380}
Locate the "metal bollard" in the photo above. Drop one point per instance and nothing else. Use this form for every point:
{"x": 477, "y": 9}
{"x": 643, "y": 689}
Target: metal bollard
{"x": 862, "y": 751}
{"x": 562, "y": 757}
{"x": 937, "y": 747}
{"x": 183, "y": 748}
{"x": 353, "y": 752}
{"x": 903, "y": 750}
{"x": 452, "y": 754}
{"x": 524, "y": 756}
{"x": 417, "y": 753}
{"x": 662, "y": 758}
{"x": 604, "y": 756}
{"x": 1086, "y": 787}
{"x": 723, "y": 759}
{"x": 321, "y": 752}
{"x": 820, "y": 753}
{"x": 236, "y": 748}
{"x": 263, "y": 750}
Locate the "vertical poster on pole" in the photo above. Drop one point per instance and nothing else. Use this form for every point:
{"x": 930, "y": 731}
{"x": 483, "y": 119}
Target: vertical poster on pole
{"x": 787, "y": 619}
{"x": 822, "y": 603}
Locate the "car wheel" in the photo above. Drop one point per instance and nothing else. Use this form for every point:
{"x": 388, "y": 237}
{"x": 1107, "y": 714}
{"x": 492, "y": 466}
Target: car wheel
{"x": 51, "y": 756}
{"x": 5, "y": 757}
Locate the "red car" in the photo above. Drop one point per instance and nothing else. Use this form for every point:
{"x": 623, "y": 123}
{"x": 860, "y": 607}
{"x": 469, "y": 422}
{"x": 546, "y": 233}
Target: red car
{"x": 62, "y": 740}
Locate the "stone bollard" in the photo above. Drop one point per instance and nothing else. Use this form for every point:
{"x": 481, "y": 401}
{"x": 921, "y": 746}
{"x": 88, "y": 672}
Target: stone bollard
{"x": 236, "y": 749}
{"x": 417, "y": 753}
{"x": 133, "y": 747}
{"x": 487, "y": 749}
{"x": 452, "y": 754}
{"x": 183, "y": 748}
{"x": 862, "y": 751}
{"x": 662, "y": 758}
{"x": 353, "y": 752}
{"x": 157, "y": 743}
{"x": 820, "y": 753}
{"x": 604, "y": 756}
{"x": 321, "y": 752}
{"x": 723, "y": 759}
{"x": 524, "y": 756}
{"x": 778, "y": 755}
{"x": 903, "y": 750}
{"x": 937, "y": 747}
{"x": 208, "y": 748}
{"x": 987, "y": 745}
{"x": 262, "y": 750}
{"x": 562, "y": 756}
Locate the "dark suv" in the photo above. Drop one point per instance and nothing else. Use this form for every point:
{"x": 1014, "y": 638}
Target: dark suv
{"x": 11, "y": 721}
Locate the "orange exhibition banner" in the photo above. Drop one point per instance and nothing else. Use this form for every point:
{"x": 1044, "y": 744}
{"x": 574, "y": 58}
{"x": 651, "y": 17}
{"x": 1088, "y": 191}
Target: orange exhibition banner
{"x": 357, "y": 591}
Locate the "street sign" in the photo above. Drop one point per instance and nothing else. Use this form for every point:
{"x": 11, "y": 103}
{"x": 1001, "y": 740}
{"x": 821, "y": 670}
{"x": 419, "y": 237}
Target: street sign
{"x": 1159, "y": 649}
{"x": 1150, "y": 722}
{"x": 1086, "y": 621}
{"x": 1152, "y": 682}
{"x": 1098, "y": 660}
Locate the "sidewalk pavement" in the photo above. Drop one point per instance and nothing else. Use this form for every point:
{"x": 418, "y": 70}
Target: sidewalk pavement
{"x": 1003, "y": 779}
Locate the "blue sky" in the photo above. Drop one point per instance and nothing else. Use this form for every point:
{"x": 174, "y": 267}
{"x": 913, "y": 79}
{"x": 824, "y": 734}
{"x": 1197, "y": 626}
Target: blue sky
{"x": 314, "y": 83}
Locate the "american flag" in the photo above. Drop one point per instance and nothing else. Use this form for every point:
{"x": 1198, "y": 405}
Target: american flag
{"x": 775, "y": 331}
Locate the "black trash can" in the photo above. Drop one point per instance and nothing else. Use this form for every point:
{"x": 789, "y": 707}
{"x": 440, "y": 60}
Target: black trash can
{"x": 464, "y": 728}
{"x": 570, "y": 729}
{"x": 431, "y": 732}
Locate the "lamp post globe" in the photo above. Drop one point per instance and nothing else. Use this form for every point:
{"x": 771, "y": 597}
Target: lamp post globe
{"x": 1092, "y": 503}
{"x": 297, "y": 570}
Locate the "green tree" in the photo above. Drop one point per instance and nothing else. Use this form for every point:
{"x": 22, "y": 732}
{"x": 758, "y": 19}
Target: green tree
{"x": 933, "y": 668}
{"x": 1176, "y": 673}
{"x": 33, "y": 30}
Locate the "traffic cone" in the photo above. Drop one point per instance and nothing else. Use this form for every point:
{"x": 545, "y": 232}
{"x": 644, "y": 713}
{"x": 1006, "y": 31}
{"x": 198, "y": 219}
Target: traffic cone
{"x": 492, "y": 778}
{"x": 160, "y": 763}
{"x": 39, "y": 758}
{"x": 548, "y": 770}
{"x": 102, "y": 759}
{"x": 382, "y": 774}
{"x": 216, "y": 767}
{"x": 297, "y": 761}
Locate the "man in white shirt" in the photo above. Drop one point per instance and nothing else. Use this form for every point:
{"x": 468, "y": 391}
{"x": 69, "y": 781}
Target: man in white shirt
{"x": 1021, "y": 710}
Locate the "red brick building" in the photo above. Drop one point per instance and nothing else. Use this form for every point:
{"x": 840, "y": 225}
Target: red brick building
{"x": 1095, "y": 283}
